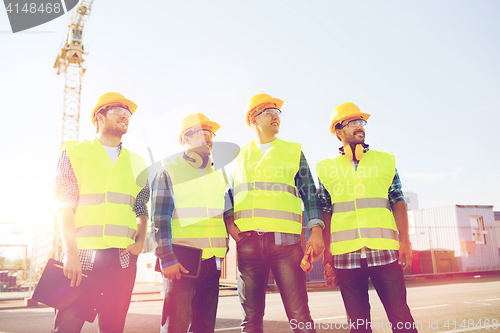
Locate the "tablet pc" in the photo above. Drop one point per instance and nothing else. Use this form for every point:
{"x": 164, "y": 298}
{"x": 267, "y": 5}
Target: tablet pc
{"x": 188, "y": 257}
{"x": 54, "y": 290}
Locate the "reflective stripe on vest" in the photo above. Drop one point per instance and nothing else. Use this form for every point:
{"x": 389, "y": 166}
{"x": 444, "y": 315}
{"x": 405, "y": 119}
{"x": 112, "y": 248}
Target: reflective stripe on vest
{"x": 352, "y": 234}
{"x": 198, "y": 212}
{"x": 265, "y": 195}
{"x": 109, "y": 230}
{"x": 201, "y": 242}
{"x": 86, "y": 199}
{"x": 274, "y": 214}
{"x": 344, "y": 207}
{"x": 266, "y": 187}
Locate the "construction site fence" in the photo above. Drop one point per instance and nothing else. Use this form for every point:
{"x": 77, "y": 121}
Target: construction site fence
{"x": 443, "y": 250}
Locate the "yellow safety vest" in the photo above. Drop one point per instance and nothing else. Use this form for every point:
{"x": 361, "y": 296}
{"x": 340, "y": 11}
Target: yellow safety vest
{"x": 362, "y": 215}
{"x": 105, "y": 216}
{"x": 265, "y": 196}
{"x": 199, "y": 207}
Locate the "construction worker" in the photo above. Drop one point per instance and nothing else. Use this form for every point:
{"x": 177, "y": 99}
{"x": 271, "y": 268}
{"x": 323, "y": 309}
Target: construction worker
{"x": 364, "y": 210}
{"x": 101, "y": 193}
{"x": 269, "y": 179}
{"x": 187, "y": 208}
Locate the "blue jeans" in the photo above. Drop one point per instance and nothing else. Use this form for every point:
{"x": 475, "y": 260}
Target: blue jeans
{"x": 191, "y": 303}
{"x": 256, "y": 255}
{"x": 389, "y": 283}
{"x": 112, "y": 295}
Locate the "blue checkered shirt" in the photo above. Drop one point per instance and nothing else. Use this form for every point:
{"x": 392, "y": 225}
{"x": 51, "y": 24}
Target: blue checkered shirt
{"x": 373, "y": 257}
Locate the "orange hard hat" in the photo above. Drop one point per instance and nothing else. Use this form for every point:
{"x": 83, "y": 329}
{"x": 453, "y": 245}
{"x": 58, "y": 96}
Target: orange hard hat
{"x": 257, "y": 101}
{"x": 112, "y": 98}
{"x": 343, "y": 112}
{"x": 196, "y": 120}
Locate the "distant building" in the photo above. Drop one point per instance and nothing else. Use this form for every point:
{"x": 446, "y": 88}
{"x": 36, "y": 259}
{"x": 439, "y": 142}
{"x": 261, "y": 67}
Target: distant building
{"x": 467, "y": 233}
{"x": 411, "y": 200}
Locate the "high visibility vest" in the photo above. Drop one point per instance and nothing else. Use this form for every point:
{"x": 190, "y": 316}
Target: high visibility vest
{"x": 198, "y": 208}
{"x": 362, "y": 215}
{"x": 265, "y": 196}
{"x": 105, "y": 217}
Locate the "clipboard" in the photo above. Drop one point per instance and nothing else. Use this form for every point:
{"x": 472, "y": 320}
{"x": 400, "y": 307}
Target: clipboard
{"x": 54, "y": 290}
{"x": 188, "y": 257}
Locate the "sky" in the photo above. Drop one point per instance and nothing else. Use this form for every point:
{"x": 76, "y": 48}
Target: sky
{"x": 426, "y": 71}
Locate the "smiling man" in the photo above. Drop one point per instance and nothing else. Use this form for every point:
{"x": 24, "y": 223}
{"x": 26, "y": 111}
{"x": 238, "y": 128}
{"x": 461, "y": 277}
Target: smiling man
{"x": 270, "y": 177}
{"x": 366, "y": 223}
{"x": 187, "y": 209}
{"x": 102, "y": 215}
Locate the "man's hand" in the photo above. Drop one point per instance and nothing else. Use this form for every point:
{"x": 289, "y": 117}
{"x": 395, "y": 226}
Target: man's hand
{"x": 401, "y": 217}
{"x": 330, "y": 275}
{"x": 73, "y": 269}
{"x": 329, "y": 271}
{"x": 174, "y": 272}
{"x": 327, "y": 257}
{"x": 135, "y": 248}
{"x": 232, "y": 228}
{"x": 405, "y": 251}
{"x": 316, "y": 241}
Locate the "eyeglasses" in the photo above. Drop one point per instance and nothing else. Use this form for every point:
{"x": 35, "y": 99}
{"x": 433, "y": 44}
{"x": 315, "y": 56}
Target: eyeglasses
{"x": 203, "y": 132}
{"x": 355, "y": 123}
{"x": 270, "y": 111}
{"x": 120, "y": 111}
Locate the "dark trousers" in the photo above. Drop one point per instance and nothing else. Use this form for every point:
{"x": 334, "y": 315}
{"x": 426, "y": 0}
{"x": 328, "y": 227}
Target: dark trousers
{"x": 191, "y": 303}
{"x": 389, "y": 283}
{"x": 256, "y": 255}
{"x": 112, "y": 295}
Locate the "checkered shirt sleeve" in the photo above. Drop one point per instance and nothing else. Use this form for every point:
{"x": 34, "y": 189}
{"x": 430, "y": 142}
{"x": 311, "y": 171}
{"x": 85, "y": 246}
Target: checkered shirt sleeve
{"x": 65, "y": 185}
{"x": 307, "y": 189}
{"x": 162, "y": 210}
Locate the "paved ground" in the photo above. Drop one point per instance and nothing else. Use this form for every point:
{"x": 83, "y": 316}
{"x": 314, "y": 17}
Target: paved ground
{"x": 438, "y": 305}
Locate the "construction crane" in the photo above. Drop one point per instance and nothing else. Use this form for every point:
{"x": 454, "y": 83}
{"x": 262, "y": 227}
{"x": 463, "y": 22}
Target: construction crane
{"x": 70, "y": 61}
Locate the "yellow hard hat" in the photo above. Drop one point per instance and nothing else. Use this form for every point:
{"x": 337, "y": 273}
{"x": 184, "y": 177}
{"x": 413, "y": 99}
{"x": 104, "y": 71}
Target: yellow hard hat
{"x": 112, "y": 98}
{"x": 193, "y": 120}
{"x": 257, "y": 101}
{"x": 343, "y": 112}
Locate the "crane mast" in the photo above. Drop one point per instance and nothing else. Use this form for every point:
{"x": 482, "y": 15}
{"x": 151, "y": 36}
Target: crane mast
{"x": 70, "y": 61}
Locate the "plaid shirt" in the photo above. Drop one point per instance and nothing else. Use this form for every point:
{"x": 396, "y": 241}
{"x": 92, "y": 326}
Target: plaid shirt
{"x": 67, "y": 194}
{"x": 374, "y": 257}
{"x": 162, "y": 210}
{"x": 307, "y": 189}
